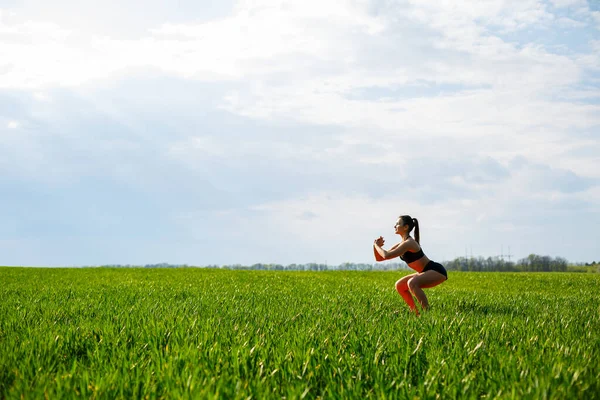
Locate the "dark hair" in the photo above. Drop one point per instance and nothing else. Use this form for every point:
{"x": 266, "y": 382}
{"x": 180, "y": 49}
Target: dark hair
{"x": 412, "y": 223}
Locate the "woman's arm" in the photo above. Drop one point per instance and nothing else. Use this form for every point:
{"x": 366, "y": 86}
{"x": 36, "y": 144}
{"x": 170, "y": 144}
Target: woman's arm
{"x": 395, "y": 246}
{"x": 394, "y": 252}
{"x": 379, "y": 242}
{"x": 377, "y": 255}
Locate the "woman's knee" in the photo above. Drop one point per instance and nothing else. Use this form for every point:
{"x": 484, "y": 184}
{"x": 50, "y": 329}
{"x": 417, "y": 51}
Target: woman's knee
{"x": 413, "y": 284}
{"x": 401, "y": 285}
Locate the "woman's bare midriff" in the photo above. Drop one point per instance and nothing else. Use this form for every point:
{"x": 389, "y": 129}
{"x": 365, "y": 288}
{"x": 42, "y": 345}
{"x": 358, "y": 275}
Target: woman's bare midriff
{"x": 420, "y": 264}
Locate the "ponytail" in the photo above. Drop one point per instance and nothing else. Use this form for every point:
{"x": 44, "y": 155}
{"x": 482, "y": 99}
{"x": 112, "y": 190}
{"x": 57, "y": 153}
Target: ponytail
{"x": 417, "y": 236}
{"x": 412, "y": 224}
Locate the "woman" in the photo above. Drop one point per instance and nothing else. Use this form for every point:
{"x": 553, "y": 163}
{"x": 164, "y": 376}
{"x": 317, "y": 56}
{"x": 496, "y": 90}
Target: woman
{"x": 429, "y": 273}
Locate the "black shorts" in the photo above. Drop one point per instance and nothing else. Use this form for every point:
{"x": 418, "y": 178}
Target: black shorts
{"x": 437, "y": 267}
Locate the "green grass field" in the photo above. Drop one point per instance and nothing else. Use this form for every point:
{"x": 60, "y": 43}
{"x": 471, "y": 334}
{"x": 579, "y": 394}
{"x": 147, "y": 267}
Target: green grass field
{"x": 196, "y": 333}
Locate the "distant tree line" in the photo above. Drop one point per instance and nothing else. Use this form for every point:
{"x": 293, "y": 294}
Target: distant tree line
{"x": 531, "y": 263}
{"x": 348, "y": 266}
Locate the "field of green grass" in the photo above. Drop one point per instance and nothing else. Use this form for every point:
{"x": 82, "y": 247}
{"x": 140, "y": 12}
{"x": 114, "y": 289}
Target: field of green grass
{"x": 197, "y": 333}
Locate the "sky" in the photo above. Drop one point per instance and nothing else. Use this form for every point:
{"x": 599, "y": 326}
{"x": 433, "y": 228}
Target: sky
{"x": 274, "y": 131}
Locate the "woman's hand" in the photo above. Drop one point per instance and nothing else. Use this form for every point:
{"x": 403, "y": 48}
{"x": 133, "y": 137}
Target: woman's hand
{"x": 377, "y": 248}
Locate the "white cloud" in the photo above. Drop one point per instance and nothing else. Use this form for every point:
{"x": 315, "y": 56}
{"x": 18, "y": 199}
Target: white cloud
{"x": 332, "y": 46}
{"x": 322, "y": 119}
{"x": 41, "y": 96}
{"x": 43, "y": 54}
{"x": 568, "y": 3}
{"x": 596, "y": 18}
{"x": 570, "y": 23}
{"x": 299, "y": 61}
{"x": 12, "y": 124}
{"x": 589, "y": 62}
{"x": 310, "y": 227}
{"x": 453, "y": 16}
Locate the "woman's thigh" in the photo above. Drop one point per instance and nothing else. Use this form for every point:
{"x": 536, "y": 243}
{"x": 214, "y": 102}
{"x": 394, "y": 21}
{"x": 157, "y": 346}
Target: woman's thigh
{"x": 402, "y": 283}
{"x": 428, "y": 279}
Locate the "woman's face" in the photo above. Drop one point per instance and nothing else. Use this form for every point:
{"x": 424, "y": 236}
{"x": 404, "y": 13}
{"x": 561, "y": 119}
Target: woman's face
{"x": 399, "y": 227}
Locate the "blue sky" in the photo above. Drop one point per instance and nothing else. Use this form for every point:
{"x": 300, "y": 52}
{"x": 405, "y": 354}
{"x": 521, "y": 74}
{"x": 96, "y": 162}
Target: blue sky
{"x": 294, "y": 132}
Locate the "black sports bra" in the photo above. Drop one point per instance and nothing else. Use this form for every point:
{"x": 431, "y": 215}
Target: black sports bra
{"x": 410, "y": 256}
